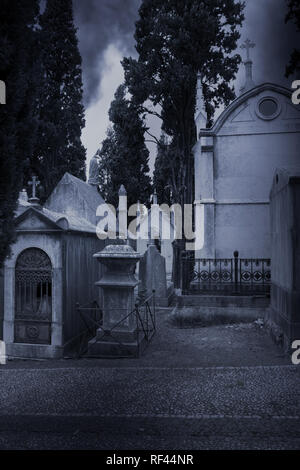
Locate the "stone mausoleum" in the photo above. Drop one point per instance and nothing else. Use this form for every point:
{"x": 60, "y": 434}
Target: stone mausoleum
{"x": 50, "y": 269}
{"x": 235, "y": 162}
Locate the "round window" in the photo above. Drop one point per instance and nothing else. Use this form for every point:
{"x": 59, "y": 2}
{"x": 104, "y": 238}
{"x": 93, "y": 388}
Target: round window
{"x": 268, "y": 108}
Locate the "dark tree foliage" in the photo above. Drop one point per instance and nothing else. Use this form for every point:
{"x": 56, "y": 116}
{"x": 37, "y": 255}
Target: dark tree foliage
{"x": 18, "y": 66}
{"x": 124, "y": 155}
{"x": 176, "y": 39}
{"x": 163, "y": 171}
{"x": 59, "y": 148}
{"x": 293, "y": 15}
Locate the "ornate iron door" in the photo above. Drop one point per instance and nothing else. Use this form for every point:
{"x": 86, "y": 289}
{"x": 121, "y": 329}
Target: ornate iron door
{"x": 33, "y": 297}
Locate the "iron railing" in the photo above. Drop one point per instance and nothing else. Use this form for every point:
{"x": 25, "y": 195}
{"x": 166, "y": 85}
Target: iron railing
{"x": 229, "y": 276}
{"x": 143, "y": 317}
{"x": 91, "y": 316}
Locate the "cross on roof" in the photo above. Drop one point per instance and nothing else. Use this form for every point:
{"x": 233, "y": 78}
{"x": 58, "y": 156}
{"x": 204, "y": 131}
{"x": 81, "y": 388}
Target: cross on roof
{"x": 34, "y": 183}
{"x": 248, "y": 45}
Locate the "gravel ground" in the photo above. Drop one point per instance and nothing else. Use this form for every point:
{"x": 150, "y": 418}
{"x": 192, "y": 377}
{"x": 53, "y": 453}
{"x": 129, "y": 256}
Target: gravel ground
{"x": 244, "y": 344}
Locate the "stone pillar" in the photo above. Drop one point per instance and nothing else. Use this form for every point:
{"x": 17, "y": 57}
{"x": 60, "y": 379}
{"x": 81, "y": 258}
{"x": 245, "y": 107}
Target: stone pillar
{"x": 118, "y": 335}
{"x": 204, "y": 192}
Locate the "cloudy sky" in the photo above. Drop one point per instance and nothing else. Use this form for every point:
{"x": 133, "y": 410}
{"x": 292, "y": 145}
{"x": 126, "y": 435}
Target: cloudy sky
{"x": 105, "y": 32}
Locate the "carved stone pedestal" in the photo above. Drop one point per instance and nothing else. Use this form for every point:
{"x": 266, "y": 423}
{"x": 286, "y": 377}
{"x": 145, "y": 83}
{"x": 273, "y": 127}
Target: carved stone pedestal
{"x": 118, "y": 335}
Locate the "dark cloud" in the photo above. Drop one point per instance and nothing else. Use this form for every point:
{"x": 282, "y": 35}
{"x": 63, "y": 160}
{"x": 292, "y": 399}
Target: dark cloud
{"x": 101, "y": 23}
{"x": 104, "y": 22}
{"x": 264, "y": 24}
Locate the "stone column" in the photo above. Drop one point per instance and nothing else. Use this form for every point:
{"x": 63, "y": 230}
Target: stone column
{"x": 204, "y": 192}
{"x": 118, "y": 335}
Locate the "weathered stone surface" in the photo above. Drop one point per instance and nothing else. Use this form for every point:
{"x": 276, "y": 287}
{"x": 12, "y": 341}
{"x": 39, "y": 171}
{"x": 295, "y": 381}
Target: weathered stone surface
{"x": 284, "y": 312}
{"x": 152, "y": 275}
{"x": 118, "y": 335}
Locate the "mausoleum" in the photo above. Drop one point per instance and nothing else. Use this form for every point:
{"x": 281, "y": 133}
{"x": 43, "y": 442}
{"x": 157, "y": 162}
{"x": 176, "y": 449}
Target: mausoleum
{"x": 50, "y": 269}
{"x": 235, "y": 161}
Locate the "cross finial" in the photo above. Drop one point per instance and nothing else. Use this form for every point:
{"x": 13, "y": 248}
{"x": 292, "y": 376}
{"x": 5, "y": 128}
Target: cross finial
{"x": 34, "y": 183}
{"x": 248, "y": 45}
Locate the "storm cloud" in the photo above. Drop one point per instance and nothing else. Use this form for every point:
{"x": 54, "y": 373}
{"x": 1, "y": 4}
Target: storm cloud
{"x": 265, "y": 25}
{"x": 102, "y": 23}
{"x": 106, "y": 34}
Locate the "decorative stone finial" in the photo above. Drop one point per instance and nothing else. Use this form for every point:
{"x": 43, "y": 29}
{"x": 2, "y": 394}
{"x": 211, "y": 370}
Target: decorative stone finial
{"x": 248, "y": 45}
{"x": 122, "y": 191}
{"x": 122, "y": 214}
{"x": 249, "y": 83}
{"x": 94, "y": 170}
{"x": 34, "y": 183}
{"x": 200, "y": 112}
{"x": 23, "y": 196}
{"x": 154, "y": 197}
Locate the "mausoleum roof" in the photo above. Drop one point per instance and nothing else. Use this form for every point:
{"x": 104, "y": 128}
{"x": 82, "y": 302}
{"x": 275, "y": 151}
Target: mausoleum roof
{"x": 238, "y": 101}
{"x": 57, "y": 220}
{"x": 75, "y": 198}
{"x": 71, "y": 206}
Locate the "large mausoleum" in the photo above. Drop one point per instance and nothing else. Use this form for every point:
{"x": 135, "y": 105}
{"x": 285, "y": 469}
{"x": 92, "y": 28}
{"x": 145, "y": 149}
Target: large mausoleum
{"x": 235, "y": 162}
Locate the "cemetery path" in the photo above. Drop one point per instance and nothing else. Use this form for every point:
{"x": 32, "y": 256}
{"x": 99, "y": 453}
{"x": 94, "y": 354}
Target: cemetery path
{"x": 245, "y": 344}
{"x": 207, "y": 388}
{"x": 152, "y": 408}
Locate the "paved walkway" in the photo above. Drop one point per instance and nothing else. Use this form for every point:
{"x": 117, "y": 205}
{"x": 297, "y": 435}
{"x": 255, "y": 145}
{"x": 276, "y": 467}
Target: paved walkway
{"x": 208, "y": 388}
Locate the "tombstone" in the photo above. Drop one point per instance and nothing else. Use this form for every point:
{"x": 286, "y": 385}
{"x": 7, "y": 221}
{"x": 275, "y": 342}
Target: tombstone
{"x": 152, "y": 275}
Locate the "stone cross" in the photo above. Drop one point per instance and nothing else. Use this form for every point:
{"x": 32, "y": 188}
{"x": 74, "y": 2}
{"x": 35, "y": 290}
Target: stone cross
{"x": 248, "y": 45}
{"x": 34, "y": 183}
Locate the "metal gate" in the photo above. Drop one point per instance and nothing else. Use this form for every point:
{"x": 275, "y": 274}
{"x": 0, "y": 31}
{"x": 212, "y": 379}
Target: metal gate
{"x": 33, "y": 297}
{"x": 225, "y": 276}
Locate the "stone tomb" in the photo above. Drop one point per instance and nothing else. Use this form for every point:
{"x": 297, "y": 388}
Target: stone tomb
{"x": 118, "y": 335}
{"x": 50, "y": 269}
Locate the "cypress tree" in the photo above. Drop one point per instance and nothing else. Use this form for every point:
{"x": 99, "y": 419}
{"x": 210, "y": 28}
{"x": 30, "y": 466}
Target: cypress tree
{"x": 59, "y": 148}
{"x": 124, "y": 155}
{"x": 293, "y": 15}
{"x": 18, "y": 120}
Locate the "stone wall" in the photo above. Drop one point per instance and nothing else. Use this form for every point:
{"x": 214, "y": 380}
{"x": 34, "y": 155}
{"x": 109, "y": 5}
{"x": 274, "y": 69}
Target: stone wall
{"x": 284, "y": 314}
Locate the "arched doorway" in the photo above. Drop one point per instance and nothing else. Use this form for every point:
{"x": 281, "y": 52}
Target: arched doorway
{"x": 33, "y": 297}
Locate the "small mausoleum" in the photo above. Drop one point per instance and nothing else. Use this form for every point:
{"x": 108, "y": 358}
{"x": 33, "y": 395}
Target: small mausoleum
{"x": 51, "y": 269}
